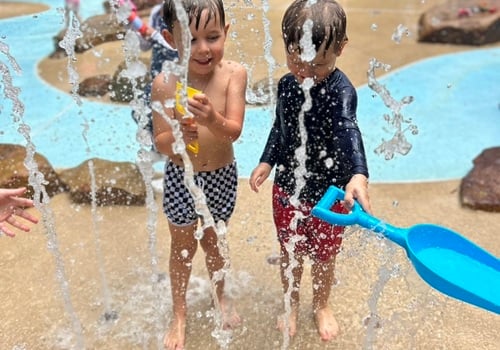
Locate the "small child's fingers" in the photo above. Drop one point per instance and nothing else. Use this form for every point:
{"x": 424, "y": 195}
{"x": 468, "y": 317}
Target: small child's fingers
{"x": 186, "y": 122}
{"x": 364, "y": 201}
{"x": 24, "y": 202}
{"x": 365, "y": 205}
{"x": 255, "y": 182}
{"x": 5, "y": 230}
{"x": 253, "y": 186}
{"x": 17, "y": 224}
{"x": 201, "y": 98}
{"x": 256, "y": 185}
{"x": 25, "y": 215}
{"x": 348, "y": 200}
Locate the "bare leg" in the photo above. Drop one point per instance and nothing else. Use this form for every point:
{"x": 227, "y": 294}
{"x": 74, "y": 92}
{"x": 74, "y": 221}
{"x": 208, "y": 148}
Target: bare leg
{"x": 290, "y": 269}
{"x": 182, "y": 249}
{"x": 323, "y": 275}
{"x": 214, "y": 262}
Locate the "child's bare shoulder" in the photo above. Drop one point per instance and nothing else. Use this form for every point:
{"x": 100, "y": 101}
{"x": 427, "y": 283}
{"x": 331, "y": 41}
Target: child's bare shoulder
{"x": 163, "y": 83}
{"x": 233, "y": 67}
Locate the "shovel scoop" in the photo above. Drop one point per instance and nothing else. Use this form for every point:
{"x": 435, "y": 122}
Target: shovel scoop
{"x": 447, "y": 261}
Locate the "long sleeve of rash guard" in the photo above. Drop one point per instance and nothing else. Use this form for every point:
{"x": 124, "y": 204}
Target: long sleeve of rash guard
{"x": 334, "y": 145}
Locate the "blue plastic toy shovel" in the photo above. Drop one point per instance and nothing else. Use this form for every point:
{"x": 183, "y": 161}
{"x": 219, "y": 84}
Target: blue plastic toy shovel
{"x": 446, "y": 260}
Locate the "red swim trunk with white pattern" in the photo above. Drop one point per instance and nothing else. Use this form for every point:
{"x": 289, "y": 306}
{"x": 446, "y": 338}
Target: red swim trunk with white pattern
{"x": 312, "y": 236}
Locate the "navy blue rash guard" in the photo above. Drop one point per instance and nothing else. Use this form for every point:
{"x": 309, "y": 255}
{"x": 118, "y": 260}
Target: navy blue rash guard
{"x": 334, "y": 146}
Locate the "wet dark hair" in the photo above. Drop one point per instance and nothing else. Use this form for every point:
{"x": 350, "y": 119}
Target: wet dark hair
{"x": 194, "y": 8}
{"x": 329, "y": 24}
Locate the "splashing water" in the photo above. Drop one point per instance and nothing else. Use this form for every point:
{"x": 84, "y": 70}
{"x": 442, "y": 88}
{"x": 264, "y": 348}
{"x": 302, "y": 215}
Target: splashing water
{"x": 399, "y": 32}
{"x": 373, "y": 321}
{"x": 288, "y": 273}
{"x": 40, "y": 198}
{"x": 146, "y": 156}
{"x": 68, "y": 44}
{"x": 268, "y": 43}
{"x": 398, "y": 143}
{"x": 308, "y": 52}
{"x": 400, "y": 146}
{"x": 108, "y": 312}
{"x": 11, "y": 92}
{"x": 300, "y": 172}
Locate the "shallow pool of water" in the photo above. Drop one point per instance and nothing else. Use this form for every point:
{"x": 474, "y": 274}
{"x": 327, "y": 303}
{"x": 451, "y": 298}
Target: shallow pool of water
{"x": 455, "y": 107}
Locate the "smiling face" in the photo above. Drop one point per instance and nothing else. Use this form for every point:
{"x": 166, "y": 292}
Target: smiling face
{"x": 207, "y": 42}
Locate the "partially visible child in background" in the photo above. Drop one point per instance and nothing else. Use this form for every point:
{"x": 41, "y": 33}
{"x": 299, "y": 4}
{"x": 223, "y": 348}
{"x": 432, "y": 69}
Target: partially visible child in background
{"x": 12, "y": 208}
{"x": 150, "y": 38}
{"x": 334, "y": 154}
{"x": 215, "y": 122}
{"x": 71, "y": 7}
{"x": 153, "y": 40}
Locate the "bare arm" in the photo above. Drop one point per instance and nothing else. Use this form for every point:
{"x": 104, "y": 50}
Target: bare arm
{"x": 162, "y": 91}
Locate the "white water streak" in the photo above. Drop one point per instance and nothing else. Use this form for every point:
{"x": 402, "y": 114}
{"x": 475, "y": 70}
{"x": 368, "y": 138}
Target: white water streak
{"x": 40, "y": 198}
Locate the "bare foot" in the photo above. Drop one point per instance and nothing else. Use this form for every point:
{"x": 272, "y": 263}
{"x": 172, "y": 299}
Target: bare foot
{"x": 291, "y": 325}
{"x": 328, "y": 328}
{"x": 176, "y": 334}
{"x": 230, "y": 318}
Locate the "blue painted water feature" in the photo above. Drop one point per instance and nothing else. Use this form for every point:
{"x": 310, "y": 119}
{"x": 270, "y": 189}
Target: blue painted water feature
{"x": 456, "y": 109}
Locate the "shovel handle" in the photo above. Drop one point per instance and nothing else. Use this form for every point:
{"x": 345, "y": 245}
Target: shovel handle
{"x": 322, "y": 209}
{"x": 357, "y": 216}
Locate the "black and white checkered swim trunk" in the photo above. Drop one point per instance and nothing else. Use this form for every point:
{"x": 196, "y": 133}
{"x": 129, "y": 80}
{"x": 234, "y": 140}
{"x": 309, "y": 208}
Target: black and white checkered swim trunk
{"x": 219, "y": 187}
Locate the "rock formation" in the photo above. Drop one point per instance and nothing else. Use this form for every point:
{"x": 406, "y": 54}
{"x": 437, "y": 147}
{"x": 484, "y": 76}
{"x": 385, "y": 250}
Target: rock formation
{"x": 15, "y": 174}
{"x": 98, "y": 85}
{"x": 480, "y": 189}
{"x": 462, "y": 22}
{"x": 116, "y": 183}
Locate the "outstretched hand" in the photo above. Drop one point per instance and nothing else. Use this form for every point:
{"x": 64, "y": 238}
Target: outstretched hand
{"x": 12, "y": 208}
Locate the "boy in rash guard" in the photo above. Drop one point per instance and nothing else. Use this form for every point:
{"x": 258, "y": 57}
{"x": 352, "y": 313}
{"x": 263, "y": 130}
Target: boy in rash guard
{"x": 334, "y": 155}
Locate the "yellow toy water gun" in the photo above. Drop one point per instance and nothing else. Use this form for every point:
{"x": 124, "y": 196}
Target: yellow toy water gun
{"x": 193, "y": 146}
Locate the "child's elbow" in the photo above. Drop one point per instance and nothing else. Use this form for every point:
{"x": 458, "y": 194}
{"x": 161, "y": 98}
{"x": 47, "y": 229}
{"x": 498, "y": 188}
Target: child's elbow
{"x": 235, "y": 134}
